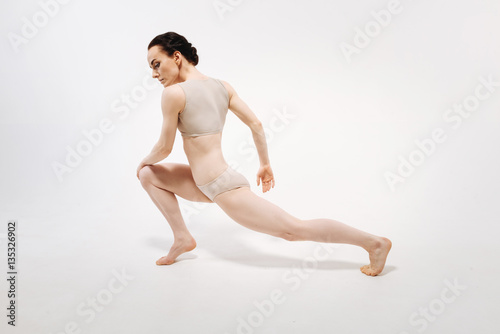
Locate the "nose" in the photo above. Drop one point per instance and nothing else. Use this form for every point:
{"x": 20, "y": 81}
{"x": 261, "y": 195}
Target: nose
{"x": 155, "y": 74}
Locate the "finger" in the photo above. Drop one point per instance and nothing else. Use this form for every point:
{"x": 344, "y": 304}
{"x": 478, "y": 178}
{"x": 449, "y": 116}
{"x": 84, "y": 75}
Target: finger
{"x": 258, "y": 181}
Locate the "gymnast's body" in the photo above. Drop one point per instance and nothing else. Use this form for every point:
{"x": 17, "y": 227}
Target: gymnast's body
{"x": 197, "y": 105}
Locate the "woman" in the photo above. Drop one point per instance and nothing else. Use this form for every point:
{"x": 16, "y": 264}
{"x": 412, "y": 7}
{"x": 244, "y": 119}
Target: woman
{"x": 197, "y": 104}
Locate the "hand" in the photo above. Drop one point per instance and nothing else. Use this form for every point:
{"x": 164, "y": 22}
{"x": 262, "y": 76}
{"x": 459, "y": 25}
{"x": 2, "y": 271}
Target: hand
{"x": 142, "y": 164}
{"x": 265, "y": 174}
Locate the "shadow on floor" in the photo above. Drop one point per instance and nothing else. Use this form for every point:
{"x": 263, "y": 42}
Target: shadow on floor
{"x": 238, "y": 250}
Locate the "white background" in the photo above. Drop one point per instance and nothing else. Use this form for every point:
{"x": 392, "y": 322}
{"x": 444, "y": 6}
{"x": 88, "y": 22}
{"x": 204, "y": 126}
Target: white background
{"x": 353, "y": 119}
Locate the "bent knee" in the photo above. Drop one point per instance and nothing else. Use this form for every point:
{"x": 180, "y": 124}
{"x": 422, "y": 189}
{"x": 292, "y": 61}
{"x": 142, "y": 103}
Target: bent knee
{"x": 146, "y": 175}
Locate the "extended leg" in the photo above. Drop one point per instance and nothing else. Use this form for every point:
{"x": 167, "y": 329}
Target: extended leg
{"x": 256, "y": 213}
{"x": 329, "y": 230}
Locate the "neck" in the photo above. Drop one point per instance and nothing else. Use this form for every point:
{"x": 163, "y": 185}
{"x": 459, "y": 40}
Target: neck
{"x": 190, "y": 72}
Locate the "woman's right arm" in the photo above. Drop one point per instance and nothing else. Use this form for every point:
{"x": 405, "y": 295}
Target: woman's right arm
{"x": 246, "y": 115}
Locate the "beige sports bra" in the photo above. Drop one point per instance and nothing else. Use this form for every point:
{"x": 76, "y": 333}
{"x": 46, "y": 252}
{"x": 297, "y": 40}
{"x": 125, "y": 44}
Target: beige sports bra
{"x": 207, "y": 103}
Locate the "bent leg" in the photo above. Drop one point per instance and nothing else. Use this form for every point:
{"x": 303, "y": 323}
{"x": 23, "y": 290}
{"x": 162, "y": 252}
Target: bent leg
{"x": 258, "y": 214}
{"x": 176, "y": 178}
{"x": 162, "y": 182}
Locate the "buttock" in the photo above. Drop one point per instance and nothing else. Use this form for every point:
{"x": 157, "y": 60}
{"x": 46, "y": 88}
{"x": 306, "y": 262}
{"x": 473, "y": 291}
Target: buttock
{"x": 229, "y": 179}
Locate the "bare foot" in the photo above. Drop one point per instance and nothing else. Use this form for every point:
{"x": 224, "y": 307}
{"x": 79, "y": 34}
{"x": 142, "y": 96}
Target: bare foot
{"x": 179, "y": 247}
{"x": 378, "y": 255}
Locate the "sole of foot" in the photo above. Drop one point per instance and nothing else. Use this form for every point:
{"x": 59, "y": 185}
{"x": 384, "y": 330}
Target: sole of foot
{"x": 378, "y": 255}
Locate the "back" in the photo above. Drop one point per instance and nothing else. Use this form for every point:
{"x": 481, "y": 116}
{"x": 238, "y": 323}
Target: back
{"x": 207, "y": 103}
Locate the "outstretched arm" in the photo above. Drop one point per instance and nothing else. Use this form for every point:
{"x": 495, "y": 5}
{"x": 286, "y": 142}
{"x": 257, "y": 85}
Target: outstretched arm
{"x": 172, "y": 101}
{"x": 246, "y": 115}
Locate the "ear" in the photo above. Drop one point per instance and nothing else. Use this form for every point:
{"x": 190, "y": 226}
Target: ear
{"x": 177, "y": 57}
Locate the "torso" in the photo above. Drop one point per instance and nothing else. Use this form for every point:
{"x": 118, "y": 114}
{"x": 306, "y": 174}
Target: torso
{"x": 204, "y": 154}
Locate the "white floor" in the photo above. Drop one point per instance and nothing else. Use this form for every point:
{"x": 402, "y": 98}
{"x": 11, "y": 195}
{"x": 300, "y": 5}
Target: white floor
{"x": 238, "y": 281}
{"x": 338, "y": 117}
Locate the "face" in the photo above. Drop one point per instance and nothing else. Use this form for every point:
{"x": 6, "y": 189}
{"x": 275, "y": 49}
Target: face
{"x": 164, "y": 68}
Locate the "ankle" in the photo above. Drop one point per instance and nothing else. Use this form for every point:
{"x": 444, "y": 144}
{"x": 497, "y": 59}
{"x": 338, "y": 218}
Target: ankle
{"x": 373, "y": 242}
{"x": 183, "y": 238}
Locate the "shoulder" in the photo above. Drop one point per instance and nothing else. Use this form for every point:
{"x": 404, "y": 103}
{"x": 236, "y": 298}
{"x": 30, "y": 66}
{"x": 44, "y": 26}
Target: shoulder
{"x": 173, "y": 92}
{"x": 173, "y": 96}
{"x": 231, "y": 91}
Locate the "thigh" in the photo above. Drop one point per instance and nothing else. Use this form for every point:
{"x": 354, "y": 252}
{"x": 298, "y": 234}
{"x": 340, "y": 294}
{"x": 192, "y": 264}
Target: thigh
{"x": 176, "y": 178}
{"x": 256, "y": 213}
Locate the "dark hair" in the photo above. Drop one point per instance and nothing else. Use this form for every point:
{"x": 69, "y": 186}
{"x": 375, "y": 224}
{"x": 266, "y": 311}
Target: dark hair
{"x": 170, "y": 42}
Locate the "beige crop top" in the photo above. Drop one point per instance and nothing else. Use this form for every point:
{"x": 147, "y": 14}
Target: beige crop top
{"x": 207, "y": 103}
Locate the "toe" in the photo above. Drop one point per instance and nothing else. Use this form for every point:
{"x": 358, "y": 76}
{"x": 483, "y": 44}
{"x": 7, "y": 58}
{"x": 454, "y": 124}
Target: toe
{"x": 367, "y": 270}
{"x": 161, "y": 261}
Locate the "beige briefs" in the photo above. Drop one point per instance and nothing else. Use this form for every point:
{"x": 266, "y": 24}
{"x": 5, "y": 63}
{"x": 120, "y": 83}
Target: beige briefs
{"x": 228, "y": 180}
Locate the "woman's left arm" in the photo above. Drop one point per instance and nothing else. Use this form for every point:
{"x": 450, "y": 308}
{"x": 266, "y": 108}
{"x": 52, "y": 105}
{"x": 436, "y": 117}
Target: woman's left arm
{"x": 172, "y": 102}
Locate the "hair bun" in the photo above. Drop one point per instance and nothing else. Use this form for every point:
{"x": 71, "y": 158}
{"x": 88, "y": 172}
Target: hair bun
{"x": 171, "y": 42}
{"x": 194, "y": 54}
